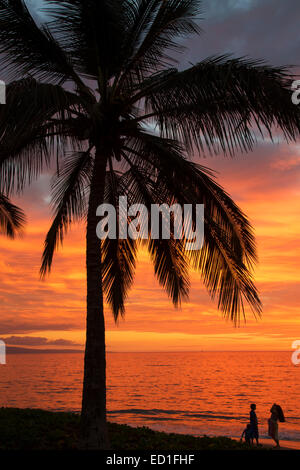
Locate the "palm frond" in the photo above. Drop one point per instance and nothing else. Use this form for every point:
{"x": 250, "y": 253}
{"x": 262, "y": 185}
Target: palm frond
{"x": 220, "y": 104}
{"x": 156, "y": 26}
{"x": 27, "y": 48}
{"x": 225, "y": 274}
{"x": 69, "y": 198}
{"x": 118, "y": 256}
{"x": 171, "y": 267}
{"x": 119, "y": 260}
{"x": 228, "y": 253}
{"x": 12, "y": 218}
{"x": 168, "y": 256}
{"x": 29, "y": 136}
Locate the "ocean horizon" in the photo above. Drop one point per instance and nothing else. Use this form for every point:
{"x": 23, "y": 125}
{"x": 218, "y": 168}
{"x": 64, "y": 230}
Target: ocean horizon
{"x": 34, "y": 350}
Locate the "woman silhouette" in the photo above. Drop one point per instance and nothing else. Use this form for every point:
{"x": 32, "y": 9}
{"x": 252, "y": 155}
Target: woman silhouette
{"x": 276, "y": 415}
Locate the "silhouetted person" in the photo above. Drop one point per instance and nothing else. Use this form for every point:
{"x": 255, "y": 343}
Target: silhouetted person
{"x": 247, "y": 433}
{"x": 276, "y": 415}
{"x": 254, "y": 423}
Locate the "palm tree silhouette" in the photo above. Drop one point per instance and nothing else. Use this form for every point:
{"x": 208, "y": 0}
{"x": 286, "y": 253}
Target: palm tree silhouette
{"x": 96, "y": 88}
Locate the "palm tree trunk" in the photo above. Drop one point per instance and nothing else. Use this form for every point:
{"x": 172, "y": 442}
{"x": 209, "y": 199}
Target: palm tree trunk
{"x": 93, "y": 416}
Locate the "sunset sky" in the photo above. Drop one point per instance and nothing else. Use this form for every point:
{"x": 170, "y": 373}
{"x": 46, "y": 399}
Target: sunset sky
{"x": 265, "y": 184}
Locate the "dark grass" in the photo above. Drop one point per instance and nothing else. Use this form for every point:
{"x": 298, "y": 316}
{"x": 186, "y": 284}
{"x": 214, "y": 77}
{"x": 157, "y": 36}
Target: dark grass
{"x": 28, "y": 429}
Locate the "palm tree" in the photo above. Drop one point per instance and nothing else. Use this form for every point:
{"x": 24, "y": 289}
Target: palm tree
{"x": 96, "y": 88}
{"x": 12, "y": 219}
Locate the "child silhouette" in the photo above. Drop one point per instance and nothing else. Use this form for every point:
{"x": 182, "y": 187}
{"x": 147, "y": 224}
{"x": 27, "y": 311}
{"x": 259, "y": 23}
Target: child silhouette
{"x": 247, "y": 433}
{"x": 254, "y": 423}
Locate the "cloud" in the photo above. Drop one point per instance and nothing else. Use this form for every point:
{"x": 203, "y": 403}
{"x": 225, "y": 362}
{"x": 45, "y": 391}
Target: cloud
{"x": 219, "y": 10}
{"x": 286, "y": 163}
{"x": 264, "y": 29}
{"x": 36, "y": 341}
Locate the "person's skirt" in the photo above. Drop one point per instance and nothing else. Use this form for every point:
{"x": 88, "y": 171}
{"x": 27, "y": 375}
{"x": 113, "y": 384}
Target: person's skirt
{"x": 273, "y": 429}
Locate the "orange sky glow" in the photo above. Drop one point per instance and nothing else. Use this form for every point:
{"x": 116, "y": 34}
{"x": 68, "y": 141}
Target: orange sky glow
{"x": 264, "y": 183}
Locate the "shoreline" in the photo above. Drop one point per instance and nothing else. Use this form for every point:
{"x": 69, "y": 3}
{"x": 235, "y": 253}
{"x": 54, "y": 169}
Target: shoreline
{"x": 37, "y": 429}
{"x": 270, "y": 444}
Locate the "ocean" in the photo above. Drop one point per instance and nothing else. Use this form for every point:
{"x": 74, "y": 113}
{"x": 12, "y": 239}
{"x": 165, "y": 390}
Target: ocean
{"x": 185, "y": 392}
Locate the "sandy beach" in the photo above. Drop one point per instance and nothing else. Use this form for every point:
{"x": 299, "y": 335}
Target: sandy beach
{"x": 284, "y": 445}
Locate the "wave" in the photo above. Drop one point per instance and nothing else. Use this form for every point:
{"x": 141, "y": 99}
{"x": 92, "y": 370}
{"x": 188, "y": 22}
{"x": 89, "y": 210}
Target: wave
{"x": 159, "y": 365}
{"x": 153, "y": 411}
{"x": 177, "y": 414}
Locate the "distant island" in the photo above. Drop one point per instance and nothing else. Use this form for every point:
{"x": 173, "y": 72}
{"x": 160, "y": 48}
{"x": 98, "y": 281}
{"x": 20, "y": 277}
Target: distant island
{"x": 17, "y": 350}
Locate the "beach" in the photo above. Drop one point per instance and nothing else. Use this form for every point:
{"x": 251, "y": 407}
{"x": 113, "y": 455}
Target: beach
{"x": 284, "y": 445}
